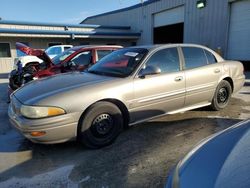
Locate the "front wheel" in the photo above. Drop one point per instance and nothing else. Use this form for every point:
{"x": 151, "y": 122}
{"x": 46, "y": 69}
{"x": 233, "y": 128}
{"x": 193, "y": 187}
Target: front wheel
{"x": 222, "y": 95}
{"x": 104, "y": 121}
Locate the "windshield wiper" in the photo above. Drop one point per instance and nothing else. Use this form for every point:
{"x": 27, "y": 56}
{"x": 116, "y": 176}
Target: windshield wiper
{"x": 103, "y": 73}
{"x": 95, "y": 72}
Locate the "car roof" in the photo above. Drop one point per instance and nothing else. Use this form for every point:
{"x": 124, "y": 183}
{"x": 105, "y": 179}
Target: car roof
{"x": 95, "y": 46}
{"x": 61, "y": 45}
{"x": 159, "y": 46}
{"x": 155, "y": 46}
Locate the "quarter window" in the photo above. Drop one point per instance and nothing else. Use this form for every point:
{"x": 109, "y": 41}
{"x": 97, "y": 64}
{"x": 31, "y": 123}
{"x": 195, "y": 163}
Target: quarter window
{"x": 194, "y": 57}
{"x": 210, "y": 57}
{"x": 5, "y": 50}
{"x": 167, "y": 60}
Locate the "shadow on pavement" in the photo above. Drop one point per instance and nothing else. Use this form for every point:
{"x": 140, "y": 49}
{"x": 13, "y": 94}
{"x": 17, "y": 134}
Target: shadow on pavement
{"x": 141, "y": 157}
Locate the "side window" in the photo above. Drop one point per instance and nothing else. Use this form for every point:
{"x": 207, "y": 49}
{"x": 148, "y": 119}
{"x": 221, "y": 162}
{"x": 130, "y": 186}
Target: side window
{"x": 5, "y": 50}
{"x": 194, "y": 57}
{"x": 167, "y": 60}
{"x": 102, "y": 53}
{"x": 54, "y": 51}
{"x": 83, "y": 58}
{"x": 210, "y": 57}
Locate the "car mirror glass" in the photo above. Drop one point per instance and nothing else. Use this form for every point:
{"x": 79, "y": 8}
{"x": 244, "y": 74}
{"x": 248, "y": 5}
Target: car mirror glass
{"x": 149, "y": 70}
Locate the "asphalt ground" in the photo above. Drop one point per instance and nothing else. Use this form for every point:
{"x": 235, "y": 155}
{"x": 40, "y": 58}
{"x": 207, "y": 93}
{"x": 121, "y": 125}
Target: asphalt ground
{"x": 142, "y": 156}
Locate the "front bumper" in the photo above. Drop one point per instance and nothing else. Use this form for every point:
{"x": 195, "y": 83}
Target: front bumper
{"x": 58, "y": 129}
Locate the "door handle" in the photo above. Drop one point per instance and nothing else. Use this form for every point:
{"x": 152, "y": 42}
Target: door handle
{"x": 178, "y": 78}
{"x": 216, "y": 70}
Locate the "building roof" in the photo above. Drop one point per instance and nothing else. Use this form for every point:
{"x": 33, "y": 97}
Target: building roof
{"x": 121, "y": 10}
{"x": 33, "y": 29}
{"x": 13, "y": 22}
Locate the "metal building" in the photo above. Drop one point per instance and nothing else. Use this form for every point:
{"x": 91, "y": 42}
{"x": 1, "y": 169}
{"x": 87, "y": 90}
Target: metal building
{"x": 223, "y": 25}
{"x": 43, "y": 35}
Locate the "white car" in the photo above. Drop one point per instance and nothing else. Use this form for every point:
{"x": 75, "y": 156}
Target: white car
{"x": 25, "y": 60}
{"x": 56, "y": 50}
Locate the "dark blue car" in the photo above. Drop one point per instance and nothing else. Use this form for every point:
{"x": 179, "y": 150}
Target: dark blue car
{"x": 220, "y": 161}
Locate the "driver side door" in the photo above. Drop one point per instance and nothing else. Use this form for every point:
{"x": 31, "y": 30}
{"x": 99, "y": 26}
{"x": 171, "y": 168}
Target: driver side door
{"x": 159, "y": 93}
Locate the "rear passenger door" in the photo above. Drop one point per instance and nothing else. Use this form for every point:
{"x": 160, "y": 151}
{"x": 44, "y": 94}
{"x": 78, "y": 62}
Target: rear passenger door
{"x": 202, "y": 73}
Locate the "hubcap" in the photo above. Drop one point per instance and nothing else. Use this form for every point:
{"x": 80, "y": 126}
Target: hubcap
{"x": 103, "y": 123}
{"x": 222, "y": 96}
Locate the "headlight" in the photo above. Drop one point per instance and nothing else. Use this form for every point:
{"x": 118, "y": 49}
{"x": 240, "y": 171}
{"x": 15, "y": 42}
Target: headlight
{"x": 40, "y": 112}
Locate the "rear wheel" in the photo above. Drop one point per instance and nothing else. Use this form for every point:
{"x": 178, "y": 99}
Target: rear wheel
{"x": 104, "y": 121}
{"x": 222, "y": 95}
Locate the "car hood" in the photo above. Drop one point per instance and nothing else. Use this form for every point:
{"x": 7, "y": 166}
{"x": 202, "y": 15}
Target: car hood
{"x": 39, "y": 89}
{"x": 223, "y": 161}
{"x": 34, "y": 52}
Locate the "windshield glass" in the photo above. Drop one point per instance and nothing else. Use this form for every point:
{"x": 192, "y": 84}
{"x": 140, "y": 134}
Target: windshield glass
{"x": 59, "y": 58}
{"x": 119, "y": 63}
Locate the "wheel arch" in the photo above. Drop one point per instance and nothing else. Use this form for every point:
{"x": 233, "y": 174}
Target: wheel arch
{"x": 116, "y": 102}
{"x": 31, "y": 63}
{"x": 230, "y": 80}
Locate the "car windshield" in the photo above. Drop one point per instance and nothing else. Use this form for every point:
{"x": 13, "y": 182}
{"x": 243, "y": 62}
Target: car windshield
{"x": 120, "y": 63}
{"x": 59, "y": 58}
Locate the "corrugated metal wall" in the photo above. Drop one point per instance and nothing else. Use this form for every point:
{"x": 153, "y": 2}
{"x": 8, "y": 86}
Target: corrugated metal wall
{"x": 207, "y": 26}
{"x": 140, "y": 19}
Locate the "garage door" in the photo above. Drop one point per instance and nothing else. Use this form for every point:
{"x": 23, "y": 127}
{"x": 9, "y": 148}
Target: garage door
{"x": 169, "y": 26}
{"x": 169, "y": 17}
{"x": 239, "y": 31}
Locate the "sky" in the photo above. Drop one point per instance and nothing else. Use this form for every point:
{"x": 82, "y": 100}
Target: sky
{"x": 58, "y": 11}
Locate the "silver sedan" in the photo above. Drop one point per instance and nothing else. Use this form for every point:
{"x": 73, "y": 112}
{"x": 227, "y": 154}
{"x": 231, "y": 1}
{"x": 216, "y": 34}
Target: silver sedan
{"x": 128, "y": 86}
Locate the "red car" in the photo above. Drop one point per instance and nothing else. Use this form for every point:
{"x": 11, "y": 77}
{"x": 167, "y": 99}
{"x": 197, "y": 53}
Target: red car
{"x": 74, "y": 59}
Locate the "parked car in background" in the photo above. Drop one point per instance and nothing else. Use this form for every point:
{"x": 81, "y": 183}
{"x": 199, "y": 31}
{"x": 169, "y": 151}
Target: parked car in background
{"x": 24, "y": 60}
{"x": 221, "y": 160}
{"x": 57, "y": 50}
{"x": 126, "y": 87}
{"x": 77, "y": 58}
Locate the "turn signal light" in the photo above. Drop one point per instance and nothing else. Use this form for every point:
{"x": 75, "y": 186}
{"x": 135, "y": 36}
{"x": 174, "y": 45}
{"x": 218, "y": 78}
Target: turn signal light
{"x": 37, "y": 133}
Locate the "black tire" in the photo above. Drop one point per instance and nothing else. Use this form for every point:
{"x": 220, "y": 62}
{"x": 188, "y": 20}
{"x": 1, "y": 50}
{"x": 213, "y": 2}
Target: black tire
{"x": 222, "y": 95}
{"x": 104, "y": 121}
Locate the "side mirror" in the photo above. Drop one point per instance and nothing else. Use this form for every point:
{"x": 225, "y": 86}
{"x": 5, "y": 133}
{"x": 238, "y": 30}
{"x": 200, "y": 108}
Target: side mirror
{"x": 71, "y": 64}
{"x": 149, "y": 70}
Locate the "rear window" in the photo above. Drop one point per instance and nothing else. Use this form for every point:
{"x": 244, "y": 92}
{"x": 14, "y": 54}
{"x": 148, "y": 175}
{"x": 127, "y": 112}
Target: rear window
{"x": 54, "y": 50}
